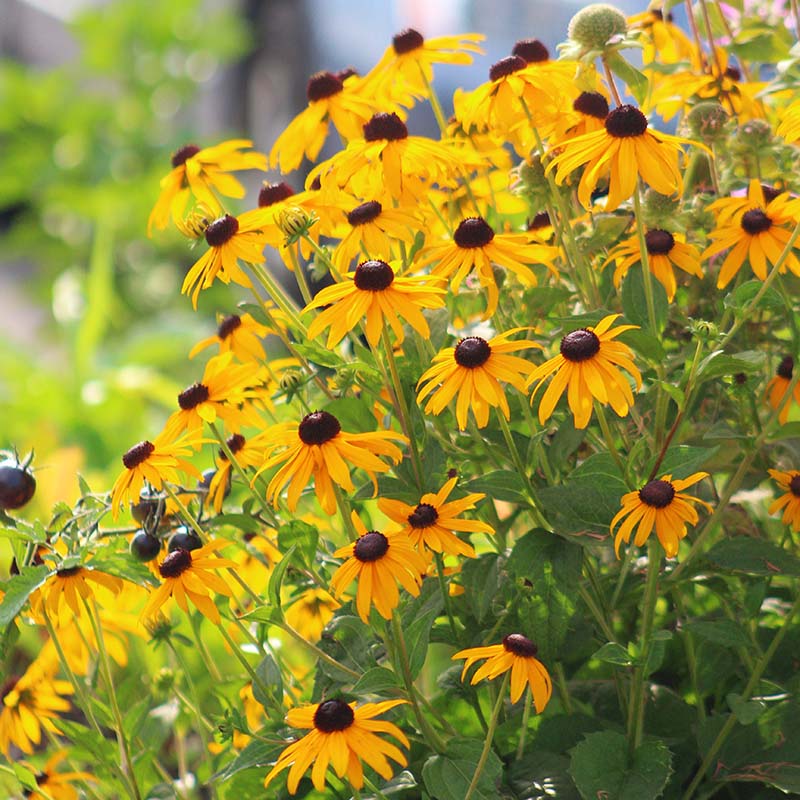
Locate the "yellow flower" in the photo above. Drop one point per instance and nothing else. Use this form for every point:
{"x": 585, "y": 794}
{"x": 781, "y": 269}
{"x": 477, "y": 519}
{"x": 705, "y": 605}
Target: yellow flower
{"x": 378, "y": 561}
{"x": 476, "y": 246}
{"x": 189, "y": 574}
{"x": 473, "y": 369}
{"x": 587, "y": 115}
{"x": 433, "y": 521}
{"x": 789, "y": 501}
{"x": 247, "y": 452}
{"x": 662, "y": 37}
{"x": 311, "y": 612}
{"x": 72, "y": 585}
{"x": 779, "y": 385}
{"x": 587, "y": 368}
{"x": 660, "y": 503}
{"x": 55, "y": 785}
{"x": 789, "y": 127}
{"x": 374, "y": 290}
{"x": 238, "y": 334}
{"x": 518, "y": 654}
{"x": 341, "y": 736}
{"x": 319, "y": 447}
{"x": 664, "y": 251}
{"x": 626, "y": 147}
{"x": 202, "y": 173}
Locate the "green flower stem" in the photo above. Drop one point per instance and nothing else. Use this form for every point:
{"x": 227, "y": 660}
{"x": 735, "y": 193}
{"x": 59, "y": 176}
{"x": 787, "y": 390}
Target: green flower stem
{"x": 562, "y": 686}
{"x": 623, "y": 574}
{"x": 373, "y": 788}
{"x": 448, "y": 606}
{"x": 204, "y": 724}
{"x": 487, "y": 745}
{"x": 276, "y": 293}
{"x": 209, "y": 662}
{"x": 256, "y": 679}
{"x": 300, "y": 274}
{"x": 608, "y": 437}
{"x": 321, "y": 254}
{"x": 596, "y": 613}
{"x": 611, "y": 82}
{"x": 647, "y": 276}
{"x": 523, "y": 728}
{"x": 436, "y": 106}
{"x": 344, "y": 511}
{"x": 752, "y": 683}
{"x": 691, "y": 656}
{"x": 320, "y": 654}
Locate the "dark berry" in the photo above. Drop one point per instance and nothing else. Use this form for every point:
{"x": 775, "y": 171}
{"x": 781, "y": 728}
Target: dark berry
{"x": 17, "y": 485}
{"x": 184, "y": 539}
{"x": 145, "y": 547}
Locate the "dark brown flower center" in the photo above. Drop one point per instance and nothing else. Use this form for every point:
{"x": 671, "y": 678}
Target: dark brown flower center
{"x": 532, "y": 50}
{"x": 373, "y": 276}
{"x": 423, "y": 516}
{"x": 658, "y": 494}
{"x": 192, "y": 396}
{"x": 755, "y": 221}
{"x": 770, "y": 192}
{"x": 333, "y": 715}
{"x": 472, "y": 352}
{"x": 733, "y": 73}
{"x": 68, "y": 572}
{"x": 272, "y": 193}
{"x": 235, "y": 443}
{"x": 228, "y": 326}
{"x": 659, "y": 242}
{"x": 407, "y": 40}
{"x": 385, "y": 126}
{"x": 786, "y": 368}
{"x": 221, "y": 230}
{"x": 183, "y": 153}
{"x": 371, "y": 546}
{"x": 365, "y": 213}
{"x": 473, "y": 232}
{"x": 175, "y": 563}
{"x": 138, "y": 454}
{"x": 506, "y": 66}
{"x": 794, "y": 485}
{"x": 541, "y": 220}
{"x": 593, "y": 104}
{"x": 322, "y": 85}
{"x": 7, "y": 687}
{"x": 318, "y": 427}
{"x": 626, "y": 121}
{"x": 580, "y": 345}
{"x": 520, "y": 645}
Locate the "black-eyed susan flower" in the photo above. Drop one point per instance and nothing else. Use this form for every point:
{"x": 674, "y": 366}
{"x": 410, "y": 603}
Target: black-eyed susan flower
{"x": 230, "y": 240}
{"x": 30, "y": 702}
{"x": 665, "y": 251}
{"x": 378, "y": 561}
{"x": 662, "y": 504}
{"x": 62, "y": 593}
{"x": 55, "y": 785}
{"x": 248, "y": 452}
{"x": 779, "y": 385}
{"x": 189, "y": 575}
{"x": 319, "y": 448}
{"x": 789, "y": 128}
{"x": 587, "y": 368}
{"x": 587, "y": 115}
{"x": 374, "y": 291}
{"x": 238, "y": 334}
{"x": 433, "y": 522}
{"x": 310, "y": 612}
{"x": 332, "y": 99}
{"x": 789, "y": 501}
{"x": 342, "y": 736}
{"x": 155, "y": 462}
{"x": 518, "y": 654}
{"x": 475, "y": 246}
{"x": 473, "y": 370}
{"x": 661, "y": 36}
{"x": 627, "y": 148}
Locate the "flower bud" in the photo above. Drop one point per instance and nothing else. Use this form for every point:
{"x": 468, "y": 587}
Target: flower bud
{"x": 707, "y": 121}
{"x": 594, "y": 25}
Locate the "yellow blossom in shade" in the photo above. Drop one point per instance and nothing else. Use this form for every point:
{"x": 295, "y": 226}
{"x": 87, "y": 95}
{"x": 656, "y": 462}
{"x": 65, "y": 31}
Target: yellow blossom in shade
{"x": 779, "y": 386}
{"x": 374, "y": 291}
{"x": 72, "y": 586}
{"x": 661, "y": 504}
{"x": 518, "y": 654}
{"x": 29, "y": 703}
{"x": 627, "y": 148}
{"x": 190, "y": 575}
{"x": 433, "y": 522}
{"x": 319, "y": 448}
{"x": 663, "y": 40}
{"x": 587, "y": 115}
{"x": 334, "y": 98}
{"x": 378, "y": 561}
{"x": 473, "y": 370}
{"x": 247, "y": 452}
{"x": 55, "y": 785}
{"x": 789, "y": 127}
{"x": 202, "y": 172}
{"x": 665, "y": 251}
{"x": 752, "y": 229}
{"x": 475, "y": 246}
{"x": 342, "y": 736}
{"x": 789, "y": 501}
{"x": 587, "y": 369}
{"x": 310, "y": 612}
{"x": 238, "y": 334}
{"x": 230, "y": 240}
{"x": 155, "y": 462}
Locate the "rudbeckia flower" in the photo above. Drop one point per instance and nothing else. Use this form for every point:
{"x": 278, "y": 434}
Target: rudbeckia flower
{"x": 627, "y": 148}
{"x": 518, "y": 654}
{"x": 55, "y": 785}
{"x": 789, "y": 501}
{"x": 664, "y": 252}
{"x": 342, "y": 736}
{"x": 660, "y": 503}
{"x": 789, "y": 128}
{"x": 433, "y": 522}
{"x": 71, "y": 584}
{"x": 319, "y": 447}
{"x": 238, "y": 334}
{"x": 378, "y": 561}
{"x": 587, "y": 368}
{"x": 190, "y": 574}
{"x": 779, "y": 385}
{"x": 475, "y": 246}
{"x": 374, "y": 291}
{"x": 473, "y": 370}
{"x": 247, "y": 452}
{"x": 309, "y": 613}
{"x": 587, "y": 115}
{"x": 202, "y": 173}
{"x": 661, "y": 36}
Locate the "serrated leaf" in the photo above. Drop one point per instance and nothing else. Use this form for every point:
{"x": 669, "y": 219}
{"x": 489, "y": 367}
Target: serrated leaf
{"x": 269, "y": 675}
{"x": 257, "y": 753}
{"x": 745, "y": 711}
{"x": 18, "y": 589}
{"x": 717, "y": 364}
{"x": 417, "y": 637}
{"x": 743, "y": 294}
{"x": 500, "y": 485}
{"x": 276, "y": 578}
{"x": 614, "y": 653}
{"x": 634, "y": 300}
{"x": 377, "y": 680}
{"x": 304, "y": 536}
{"x": 682, "y": 460}
{"x": 448, "y": 776}
{"x": 753, "y": 557}
{"x": 723, "y": 632}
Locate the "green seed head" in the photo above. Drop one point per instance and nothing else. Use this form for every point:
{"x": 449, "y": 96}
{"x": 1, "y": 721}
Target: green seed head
{"x": 594, "y": 25}
{"x": 707, "y": 121}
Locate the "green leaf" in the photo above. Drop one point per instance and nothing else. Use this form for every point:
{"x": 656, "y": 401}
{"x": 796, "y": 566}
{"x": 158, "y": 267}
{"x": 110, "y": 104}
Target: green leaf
{"x": 480, "y": 579}
{"x": 25, "y": 776}
{"x": 447, "y": 777}
{"x": 18, "y": 588}
{"x": 377, "y": 680}
{"x": 600, "y": 768}
{"x": 257, "y": 753}
{"x": 123, "y": 566}
{"x": 269, "y": 674}
{"x": 717, "y": 364}
{"x": 634, "y": 300}
{"x": 743, "y": 294}
{"x": 645, "y": 344}
{"x": 542, "y": 775}
{"x": 614, "y": 653}
{"x": 354, "y": 414}
{"x": 682, "y": 460}
{"x": 723, "y": 632}
{"x": 317, "y": 354}
{"x": 276, "y": 579}
{"x": 745, "y": 711}
{"x": 303, "y": 536}
{"x": 417, "y": 636}
{"x": 635, "y": 80}
{"x": 500, "y": 485}
{"x": 753, "y": 557}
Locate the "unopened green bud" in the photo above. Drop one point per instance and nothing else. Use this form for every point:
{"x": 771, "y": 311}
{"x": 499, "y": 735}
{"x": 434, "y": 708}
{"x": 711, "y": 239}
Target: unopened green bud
{"x": 594, "y": 25}
{"x": 707, "y": 121}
